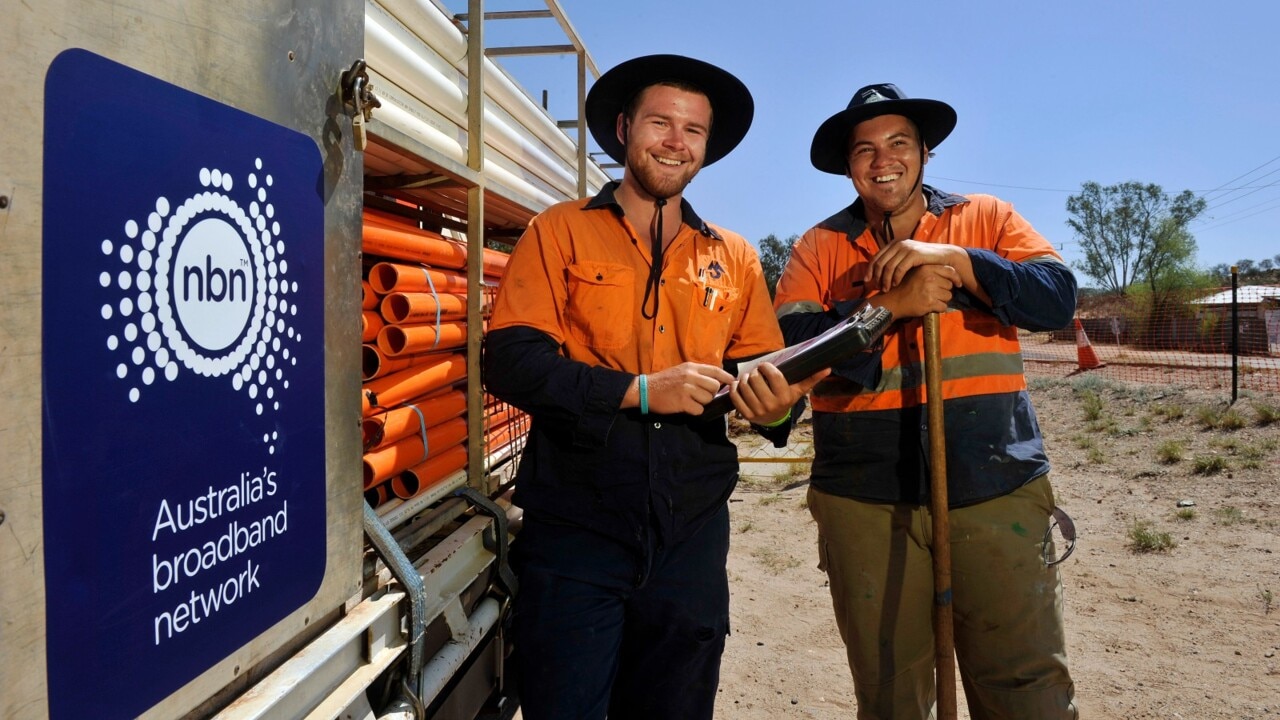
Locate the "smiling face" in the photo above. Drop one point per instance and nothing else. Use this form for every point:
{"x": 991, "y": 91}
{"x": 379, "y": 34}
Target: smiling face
{"x": 885, "y": 162}
{"x": 666, "y": 140}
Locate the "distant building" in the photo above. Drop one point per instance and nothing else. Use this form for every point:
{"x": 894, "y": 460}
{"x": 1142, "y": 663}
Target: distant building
{"x": 1258, "y": 313}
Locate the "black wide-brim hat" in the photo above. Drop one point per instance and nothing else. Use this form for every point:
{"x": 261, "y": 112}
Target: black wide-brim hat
{"x": 830, "y": 149}
{"x": 731, "y": 105}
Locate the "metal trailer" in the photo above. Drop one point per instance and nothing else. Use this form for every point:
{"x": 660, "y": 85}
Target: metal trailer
{"x": 182, "y": 530}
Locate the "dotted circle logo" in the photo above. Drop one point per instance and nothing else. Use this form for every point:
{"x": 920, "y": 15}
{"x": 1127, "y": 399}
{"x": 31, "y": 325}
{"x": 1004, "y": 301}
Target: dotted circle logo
{"x": 204, "y": 287}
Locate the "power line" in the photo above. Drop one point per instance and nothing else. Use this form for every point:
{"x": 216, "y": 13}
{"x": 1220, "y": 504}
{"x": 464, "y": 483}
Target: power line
{"x": 1060, "y": 190}
{"x": 1254, "y": 190}
{"x": 1215, "y": 223}
{"x": 1223, "y": 185}
{"x": 1011, "y": 187}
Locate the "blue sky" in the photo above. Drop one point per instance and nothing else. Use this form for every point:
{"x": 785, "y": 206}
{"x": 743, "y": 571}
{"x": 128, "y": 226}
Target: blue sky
{"x": 1049, "y": 96}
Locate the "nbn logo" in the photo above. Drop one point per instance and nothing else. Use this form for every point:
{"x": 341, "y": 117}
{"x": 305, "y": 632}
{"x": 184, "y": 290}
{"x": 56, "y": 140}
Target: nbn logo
{"x": 215, "y": 289}
{"x": 213, "y": 284}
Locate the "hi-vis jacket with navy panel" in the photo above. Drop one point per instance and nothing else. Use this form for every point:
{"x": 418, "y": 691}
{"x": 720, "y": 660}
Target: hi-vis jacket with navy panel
{"x": 568, "y": 335}
{"x": 869, "y": 427}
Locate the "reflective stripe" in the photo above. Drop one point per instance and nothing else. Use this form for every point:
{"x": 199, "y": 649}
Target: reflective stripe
{"x": 806, "y": 306}
{"x": 968, "y": 367}
{"x": 914, "y": 394}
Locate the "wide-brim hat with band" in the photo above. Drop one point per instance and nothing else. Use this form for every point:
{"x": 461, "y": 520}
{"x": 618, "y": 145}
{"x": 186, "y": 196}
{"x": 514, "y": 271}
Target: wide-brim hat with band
{"x": 731, "y": 105}
{"x": 830, "y": 149}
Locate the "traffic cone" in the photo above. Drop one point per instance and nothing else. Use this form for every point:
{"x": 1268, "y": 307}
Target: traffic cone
{"x": 1086, "y": 358}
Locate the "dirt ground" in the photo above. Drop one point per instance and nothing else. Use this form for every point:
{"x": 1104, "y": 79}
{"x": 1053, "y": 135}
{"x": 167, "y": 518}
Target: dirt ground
{"x": 1189, "y": 631}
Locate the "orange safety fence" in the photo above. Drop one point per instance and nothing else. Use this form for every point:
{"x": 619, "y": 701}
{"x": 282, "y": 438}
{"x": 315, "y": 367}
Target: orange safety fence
{"x": 1195, "y": 339}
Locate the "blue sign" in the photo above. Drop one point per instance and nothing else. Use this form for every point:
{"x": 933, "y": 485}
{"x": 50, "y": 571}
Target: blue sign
{"x": 183, "y": 371}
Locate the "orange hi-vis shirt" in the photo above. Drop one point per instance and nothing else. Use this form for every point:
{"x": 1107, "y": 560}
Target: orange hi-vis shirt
{"x": 980, "y": 355}
{"x": 579, "y": 273}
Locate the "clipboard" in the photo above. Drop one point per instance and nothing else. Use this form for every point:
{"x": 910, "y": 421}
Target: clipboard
{"x": 847, "y": 338}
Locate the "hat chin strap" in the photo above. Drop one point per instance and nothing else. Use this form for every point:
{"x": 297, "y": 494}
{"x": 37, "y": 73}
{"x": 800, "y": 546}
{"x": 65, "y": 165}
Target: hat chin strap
{"x": 886, "y": 227}
{"x": 655, "y": 267}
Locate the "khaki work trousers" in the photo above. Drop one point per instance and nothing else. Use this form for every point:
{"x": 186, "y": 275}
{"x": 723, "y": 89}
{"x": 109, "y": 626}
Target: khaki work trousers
{"x": 1010, "y": 648}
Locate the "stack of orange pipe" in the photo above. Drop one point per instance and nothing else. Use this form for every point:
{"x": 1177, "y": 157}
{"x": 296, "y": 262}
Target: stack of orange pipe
{"x": 416, "y": 448}
{"x": 389, "y": 238}
{"x": 500, "y": 436}
{"x": 413, "y": 311}
{"x": 383, "y": 429}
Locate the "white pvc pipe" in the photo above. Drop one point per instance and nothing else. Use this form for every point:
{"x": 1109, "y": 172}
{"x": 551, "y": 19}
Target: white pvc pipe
{"x": 445, "y": 664}
{"x": 446, "y": 45}
{"x": 402, "y": 60}
{"x": 399, "y": 111}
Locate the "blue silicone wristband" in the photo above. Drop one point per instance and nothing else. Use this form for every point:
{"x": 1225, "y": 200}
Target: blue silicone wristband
{"x": 644, "y": 395}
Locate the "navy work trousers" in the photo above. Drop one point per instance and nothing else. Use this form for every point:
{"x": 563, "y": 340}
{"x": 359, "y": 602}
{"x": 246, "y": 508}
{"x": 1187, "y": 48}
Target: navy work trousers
{"x": 603, "y": 630}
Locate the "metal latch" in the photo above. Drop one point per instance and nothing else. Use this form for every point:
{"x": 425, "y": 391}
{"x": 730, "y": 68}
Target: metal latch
{"x": 356, "y": 93}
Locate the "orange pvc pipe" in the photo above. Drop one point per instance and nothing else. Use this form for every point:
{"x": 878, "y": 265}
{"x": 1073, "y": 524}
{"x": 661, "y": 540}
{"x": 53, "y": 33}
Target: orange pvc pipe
{"x": 404, "y": 308}
{"x": 377, "y": 495}
{"x": 417, "y": 241}
{"x": 375, "y": 216}
{"x": 497, "y": 417}
{"x": 422, "y": 476}
{"x": 402, "y": 386}
{"x": 406, "y": 242}
{"x": 377, "y": 364}
{"x": 373, "y": 364}
{"x": 386, "y": 428}
{"x": 504, "y": 436}
{"x": 410, "y": 243}
{"x": 395, "y": 340}
{"x": 370, "y": 323}
{"x": 409, "y": 451}
{"x": 386, "y": 277}
{"x": 368, "y": 298}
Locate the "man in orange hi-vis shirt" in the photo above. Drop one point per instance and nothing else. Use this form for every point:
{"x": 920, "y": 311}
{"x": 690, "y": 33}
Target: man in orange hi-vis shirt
{"x": 618, "y": 318}
{"x": 912, "y": 249}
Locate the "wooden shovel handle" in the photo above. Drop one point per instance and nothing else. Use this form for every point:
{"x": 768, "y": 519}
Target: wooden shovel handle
{"x": 943, "y": 630}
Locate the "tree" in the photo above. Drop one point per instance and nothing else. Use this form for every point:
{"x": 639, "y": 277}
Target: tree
{"x": 1132, "y": 232}
{"x": 1171, "y": 265}
{"x": 774, "y": 254}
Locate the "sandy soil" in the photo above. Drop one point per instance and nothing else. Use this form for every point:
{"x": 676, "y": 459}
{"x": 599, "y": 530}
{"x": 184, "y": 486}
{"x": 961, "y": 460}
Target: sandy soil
{"x": 1192, "y": 631}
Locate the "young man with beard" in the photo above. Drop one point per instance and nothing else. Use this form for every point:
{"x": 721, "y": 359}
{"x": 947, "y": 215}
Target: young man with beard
{"x": 618, "y": 319}
{"x": 913, "y": 249}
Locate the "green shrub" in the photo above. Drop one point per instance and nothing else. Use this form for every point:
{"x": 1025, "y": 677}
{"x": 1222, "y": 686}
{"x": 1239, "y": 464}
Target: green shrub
{"x": 1092, "y": 405}
{"x": 1170, "y": 452}
{"x": 1265, "y": 414}
{"x": 1230, "y": 515}
{"x": 1209, "y": 464}
{"x": 1231, "y": 419}
{"x": 1145, "y": 538}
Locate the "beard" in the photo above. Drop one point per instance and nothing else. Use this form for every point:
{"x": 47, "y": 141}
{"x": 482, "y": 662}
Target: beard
{"x": 658, "y": 180}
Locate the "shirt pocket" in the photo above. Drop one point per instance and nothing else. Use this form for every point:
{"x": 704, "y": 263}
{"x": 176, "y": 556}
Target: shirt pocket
{"x": 601, "y": 306}
{"x": 711, "y": 317}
